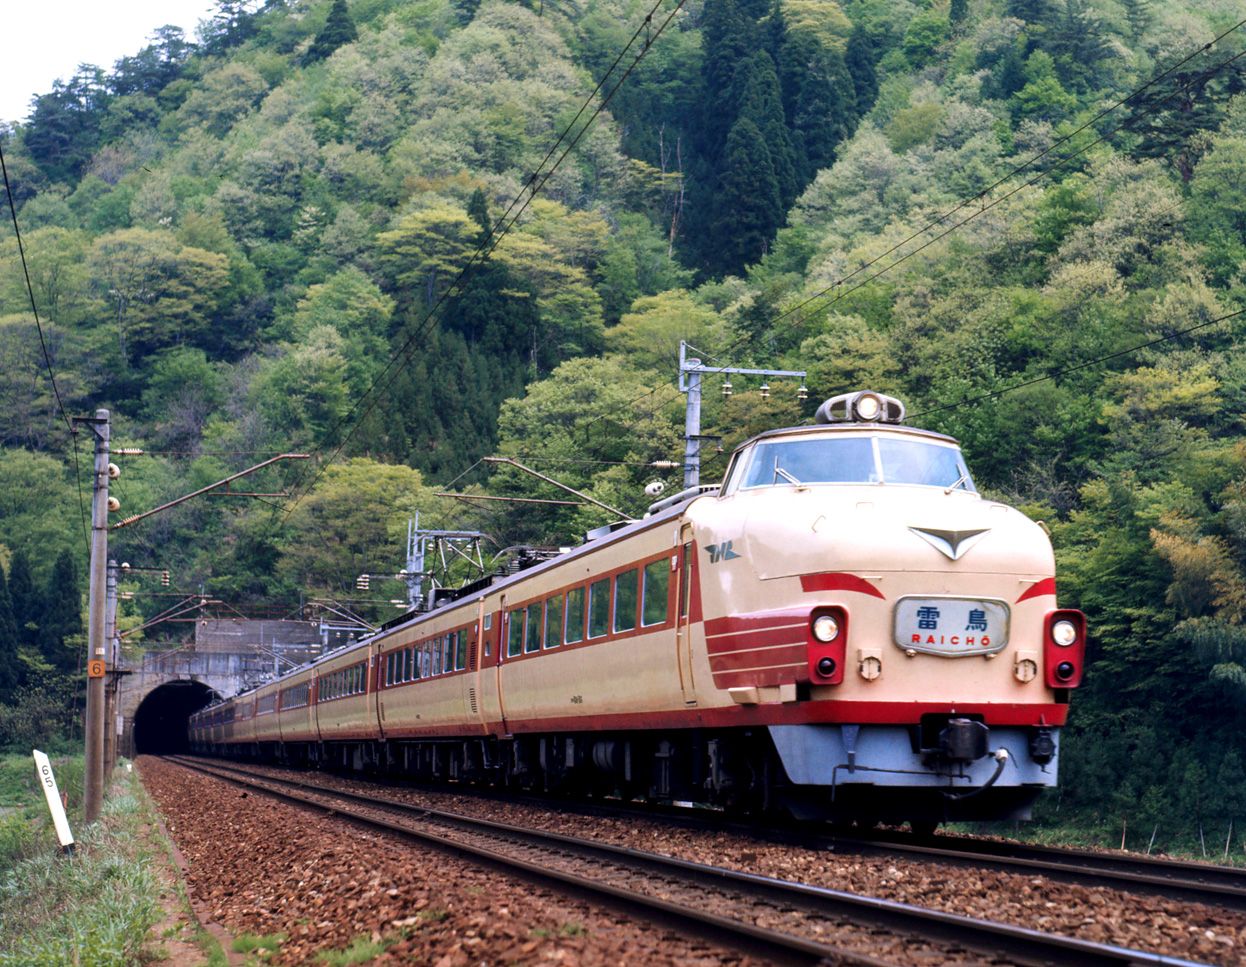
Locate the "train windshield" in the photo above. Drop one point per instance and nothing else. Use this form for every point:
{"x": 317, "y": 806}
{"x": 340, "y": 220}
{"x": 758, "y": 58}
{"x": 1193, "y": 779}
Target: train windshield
{"x": 855, "y": 459}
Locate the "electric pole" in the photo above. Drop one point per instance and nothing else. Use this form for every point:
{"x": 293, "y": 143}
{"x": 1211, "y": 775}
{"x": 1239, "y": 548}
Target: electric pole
{"x": 97, "y": 665}
{"x": 690, "y": 372}
{"x": 110, "y": 704}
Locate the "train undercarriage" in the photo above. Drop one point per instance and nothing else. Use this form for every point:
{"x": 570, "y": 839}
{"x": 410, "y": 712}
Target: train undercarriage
{"x": 737, "y": 771}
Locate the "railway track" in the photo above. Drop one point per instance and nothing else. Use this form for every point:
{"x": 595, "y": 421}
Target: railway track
{"x": 1208, "y": 883}
{"x": 1223, "y": 886}
{"x": 779, "y": 920}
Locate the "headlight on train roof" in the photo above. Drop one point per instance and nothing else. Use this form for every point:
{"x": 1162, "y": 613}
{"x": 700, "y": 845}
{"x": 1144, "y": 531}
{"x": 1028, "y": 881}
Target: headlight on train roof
{"x": 863, "y": 406}
{"x": 1064, "y": 633}
{"x": 825, "y": 628}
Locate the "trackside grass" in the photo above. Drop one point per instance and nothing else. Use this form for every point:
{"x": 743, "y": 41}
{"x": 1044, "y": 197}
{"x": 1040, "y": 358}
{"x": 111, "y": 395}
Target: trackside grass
{"x": 95, "y": 909}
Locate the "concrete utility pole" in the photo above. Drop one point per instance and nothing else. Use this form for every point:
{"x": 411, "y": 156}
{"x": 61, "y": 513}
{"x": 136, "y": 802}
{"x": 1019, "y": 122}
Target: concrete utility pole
{"x": 97, "y": 664}
{"x": 110, "y": 694}
{"x": 690, "y": 373}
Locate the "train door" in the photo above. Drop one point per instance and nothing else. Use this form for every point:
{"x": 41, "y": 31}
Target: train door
{"x": 488, "y": 656}
{"x": 503, "y": 633}
{"x": 376, "y": 697}
{"x": 474, "y": 700}
{"x": 683, "y": 616}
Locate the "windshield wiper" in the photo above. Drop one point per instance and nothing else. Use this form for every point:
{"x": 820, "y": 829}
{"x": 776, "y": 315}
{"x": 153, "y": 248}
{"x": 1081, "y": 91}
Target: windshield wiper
{"x": 962, "y": 479}
{"x": 780, "y": 472}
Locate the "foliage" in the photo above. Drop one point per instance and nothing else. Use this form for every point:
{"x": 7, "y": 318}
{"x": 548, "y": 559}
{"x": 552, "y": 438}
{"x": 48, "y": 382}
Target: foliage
{"x": 105, "y": 901}
{"x": 278, "y": 238}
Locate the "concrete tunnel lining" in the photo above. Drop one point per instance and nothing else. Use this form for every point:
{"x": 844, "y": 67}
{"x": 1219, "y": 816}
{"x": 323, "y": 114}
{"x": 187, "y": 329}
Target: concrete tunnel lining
{"x": 161, "y": 718}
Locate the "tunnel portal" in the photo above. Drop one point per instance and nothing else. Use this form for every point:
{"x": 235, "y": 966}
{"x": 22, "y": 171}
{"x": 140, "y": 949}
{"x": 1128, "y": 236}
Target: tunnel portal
{"x": 161, "y": 718}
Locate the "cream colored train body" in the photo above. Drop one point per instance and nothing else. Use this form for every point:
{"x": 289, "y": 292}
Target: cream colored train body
{"x": 844, "y": 627}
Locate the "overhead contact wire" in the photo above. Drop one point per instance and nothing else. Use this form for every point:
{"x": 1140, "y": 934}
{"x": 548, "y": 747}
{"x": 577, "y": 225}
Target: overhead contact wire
{"x": 43, "y": 344}
{"x": 838, "y": 284}
{"x": 397, "y": 360}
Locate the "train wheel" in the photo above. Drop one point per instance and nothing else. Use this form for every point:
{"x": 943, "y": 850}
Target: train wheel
{"x": 923, "y": 828}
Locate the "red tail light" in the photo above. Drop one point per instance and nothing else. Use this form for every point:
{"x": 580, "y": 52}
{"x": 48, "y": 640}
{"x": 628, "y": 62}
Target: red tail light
{"x": 826, "y": 657}
{"x": 1064, "y": 647}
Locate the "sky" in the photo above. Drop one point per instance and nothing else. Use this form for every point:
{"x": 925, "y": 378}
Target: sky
{"x": 46, "y": 41}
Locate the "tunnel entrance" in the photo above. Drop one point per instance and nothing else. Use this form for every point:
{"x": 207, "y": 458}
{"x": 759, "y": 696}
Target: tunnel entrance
{"x": 161, "y": 718}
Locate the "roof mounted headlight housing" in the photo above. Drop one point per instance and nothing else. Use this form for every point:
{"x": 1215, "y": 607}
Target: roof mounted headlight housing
{"x": 863, "y": 406}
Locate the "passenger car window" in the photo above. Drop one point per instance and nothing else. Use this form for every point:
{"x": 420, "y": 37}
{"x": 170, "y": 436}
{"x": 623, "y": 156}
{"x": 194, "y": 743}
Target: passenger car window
{"x": 599, "y": 608}
{"x": 514, "y": 634}
{"x": 532, "y": 642}
{"x": 460, "y": 650}
{"x": 553, "y": 622}
{"x": 657, "y": 582}
{"x": 575, "y": 616}
{"x": 625, "y": 588}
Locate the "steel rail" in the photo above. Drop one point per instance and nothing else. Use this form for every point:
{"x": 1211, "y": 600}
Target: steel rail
{"x": 1187, "y": 881}
{"x": 1176, "y": 879}
{"x": 735, "y": 935}
{"x": 993, "y": 938}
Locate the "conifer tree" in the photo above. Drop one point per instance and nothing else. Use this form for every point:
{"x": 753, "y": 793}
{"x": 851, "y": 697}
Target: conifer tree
{"x": 748, "y": 210}
{"x": 726, "y": 44}
{"x": 478, "y": 211}
{"x": 1138, "y": 16}
{"x": 337, "y": 31}
{"x": 776, "y": 34}
{"x": 27, "y": 606}
{"x": 957, "y": 13}
{"x": 10, "y": 665}
{"x": 860, "y": 58}
{"x": 822, "y": 110}
{"x": 62, "y": 614}
{"x": 762, "y": 104}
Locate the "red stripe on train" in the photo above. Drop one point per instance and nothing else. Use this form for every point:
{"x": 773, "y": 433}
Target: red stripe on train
{"x": 1037, "y": 590}
{"x": 838, "y": 581}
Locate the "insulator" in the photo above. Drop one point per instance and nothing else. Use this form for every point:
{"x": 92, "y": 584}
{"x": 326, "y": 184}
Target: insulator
{"x": 726, "y": 388}
{"x": 114, "y": 505}
{"x": 113, "y": 471}
{"x": 802, "y": 394}
{"x": 164, "y": 579}
{"x": 765, "y": 391}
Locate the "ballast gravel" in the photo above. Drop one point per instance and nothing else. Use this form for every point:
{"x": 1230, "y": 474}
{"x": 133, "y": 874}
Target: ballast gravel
{"x": 263, "y": 868}
{"x": 1192, "y": 931}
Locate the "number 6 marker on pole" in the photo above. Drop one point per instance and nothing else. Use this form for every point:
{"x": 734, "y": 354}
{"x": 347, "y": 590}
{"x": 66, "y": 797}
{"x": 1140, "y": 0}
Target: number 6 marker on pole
{"x": 53, "y": 796}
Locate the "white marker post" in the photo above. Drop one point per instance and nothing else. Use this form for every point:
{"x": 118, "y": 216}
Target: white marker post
{"x": 53, "y": 796}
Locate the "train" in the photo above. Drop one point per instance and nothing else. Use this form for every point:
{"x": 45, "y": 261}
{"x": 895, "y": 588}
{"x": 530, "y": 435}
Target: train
{"x": 843, "y": 629}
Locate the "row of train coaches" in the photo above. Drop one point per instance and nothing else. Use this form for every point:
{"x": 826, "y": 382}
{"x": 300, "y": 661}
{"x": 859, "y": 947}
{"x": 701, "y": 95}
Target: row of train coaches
{"x": 844, "y": 621}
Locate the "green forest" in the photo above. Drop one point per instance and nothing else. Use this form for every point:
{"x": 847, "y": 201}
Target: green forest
{"x": 403, "y": 235}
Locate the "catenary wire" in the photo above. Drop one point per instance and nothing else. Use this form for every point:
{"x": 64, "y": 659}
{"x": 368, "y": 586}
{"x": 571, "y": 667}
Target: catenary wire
{"x": 965, "y": 202}
{"x": 483, "y": 248}
{"x": 47, "y": 358}
{"x": 1084, "y": 364}
{"x": 397, "y": 360}
{"x": 985, "y": 207}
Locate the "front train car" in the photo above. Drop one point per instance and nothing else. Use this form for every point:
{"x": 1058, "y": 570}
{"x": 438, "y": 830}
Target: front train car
{"x": 897, "y": 632}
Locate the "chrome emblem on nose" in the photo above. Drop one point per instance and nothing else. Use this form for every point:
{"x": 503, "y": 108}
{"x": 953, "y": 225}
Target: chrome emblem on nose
{"x": 952, "y": 544}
